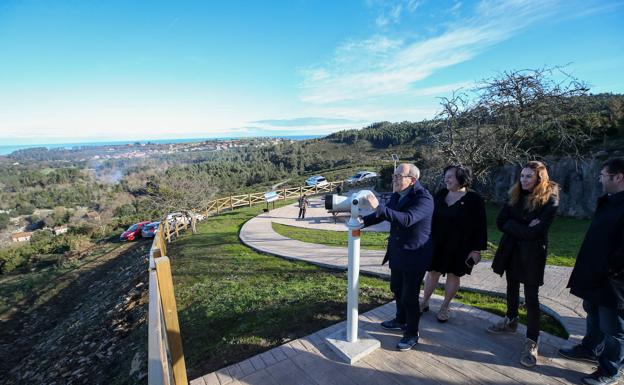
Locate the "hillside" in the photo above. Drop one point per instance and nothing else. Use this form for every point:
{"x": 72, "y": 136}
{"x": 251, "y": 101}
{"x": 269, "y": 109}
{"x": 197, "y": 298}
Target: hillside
{"x": 80, "y": 325}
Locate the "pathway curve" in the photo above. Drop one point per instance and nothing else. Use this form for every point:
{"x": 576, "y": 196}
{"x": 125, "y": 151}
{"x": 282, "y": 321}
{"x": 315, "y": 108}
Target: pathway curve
{"x": 258, "y": 234}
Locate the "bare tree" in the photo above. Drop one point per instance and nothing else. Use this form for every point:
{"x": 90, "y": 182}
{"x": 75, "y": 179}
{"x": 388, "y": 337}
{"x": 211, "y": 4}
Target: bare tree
{"x": 511, "y": 118}
{"x": 188, "y": 191}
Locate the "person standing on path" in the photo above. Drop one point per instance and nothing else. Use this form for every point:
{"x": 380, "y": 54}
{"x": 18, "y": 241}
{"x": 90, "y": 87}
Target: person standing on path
{"x": 303, "y": 205}
{"x": 600, "y": 259}
{"x": 459, "y": 233}
{"x": 410, "y": 247}
{"x": 521, "y": 255}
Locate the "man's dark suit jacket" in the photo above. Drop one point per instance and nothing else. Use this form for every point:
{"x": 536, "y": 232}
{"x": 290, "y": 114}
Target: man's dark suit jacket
{"x": 410, "y": 247}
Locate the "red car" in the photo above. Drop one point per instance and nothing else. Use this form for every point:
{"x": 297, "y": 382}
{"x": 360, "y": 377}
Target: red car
{"x": 133, "y": 232}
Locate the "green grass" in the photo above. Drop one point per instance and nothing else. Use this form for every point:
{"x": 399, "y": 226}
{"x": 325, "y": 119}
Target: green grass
{"x": 565, "y": 237}
{"x": 369, "y": 239}
{"x": 234, "y": 303}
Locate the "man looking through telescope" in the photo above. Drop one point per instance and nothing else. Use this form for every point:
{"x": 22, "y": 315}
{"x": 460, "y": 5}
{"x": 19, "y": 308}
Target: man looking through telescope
{"x": 410, "y": 247}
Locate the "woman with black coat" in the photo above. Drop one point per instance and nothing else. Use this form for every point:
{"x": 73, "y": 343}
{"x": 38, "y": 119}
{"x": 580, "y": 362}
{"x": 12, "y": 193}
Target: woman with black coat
{"x": 521, "y": 255}
{"x": 459, "y": 233}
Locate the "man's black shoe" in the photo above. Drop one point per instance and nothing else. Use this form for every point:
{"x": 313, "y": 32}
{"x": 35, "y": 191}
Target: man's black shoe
{"x": 579, "y": 352}
{"x": 393, "y": 324}
{"x": 407, "y": 342}
{"x": 599, "y": 377}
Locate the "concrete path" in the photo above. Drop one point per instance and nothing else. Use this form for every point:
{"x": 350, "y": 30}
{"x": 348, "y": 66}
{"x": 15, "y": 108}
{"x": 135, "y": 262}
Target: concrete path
{"x": 258, "y": 234}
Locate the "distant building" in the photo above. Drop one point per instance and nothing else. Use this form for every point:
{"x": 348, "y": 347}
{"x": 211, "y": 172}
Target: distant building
{"x": 21, "y": 237}
{"x": 58, "y": 230}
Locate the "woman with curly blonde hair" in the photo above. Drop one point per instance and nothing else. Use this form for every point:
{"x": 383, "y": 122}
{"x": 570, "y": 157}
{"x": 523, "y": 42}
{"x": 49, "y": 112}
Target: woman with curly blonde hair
{"x": 521, "y": 255}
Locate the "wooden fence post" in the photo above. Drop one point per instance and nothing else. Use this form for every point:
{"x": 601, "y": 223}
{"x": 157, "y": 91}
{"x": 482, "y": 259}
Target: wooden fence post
{"x": 170, "y": 312}
{"x": 231, "y": 204}
{"x": 249, "y": 199}
{"x": 167, "y": 231}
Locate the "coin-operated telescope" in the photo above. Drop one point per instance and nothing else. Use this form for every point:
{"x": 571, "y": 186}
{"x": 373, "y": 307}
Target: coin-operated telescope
{"x": 347, "y": 345}
{"x": 335, "y": 203}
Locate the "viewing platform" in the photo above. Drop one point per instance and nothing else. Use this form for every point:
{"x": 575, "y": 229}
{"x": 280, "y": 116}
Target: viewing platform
{"x": 457, "y": 352}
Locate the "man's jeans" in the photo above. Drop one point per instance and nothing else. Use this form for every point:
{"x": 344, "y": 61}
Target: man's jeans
{"x": 605, "y": 336}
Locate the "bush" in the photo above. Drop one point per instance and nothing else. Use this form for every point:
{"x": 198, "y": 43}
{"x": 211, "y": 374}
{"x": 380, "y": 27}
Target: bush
{"x": 4, "y": 220}
{"x": 13, "y": 257}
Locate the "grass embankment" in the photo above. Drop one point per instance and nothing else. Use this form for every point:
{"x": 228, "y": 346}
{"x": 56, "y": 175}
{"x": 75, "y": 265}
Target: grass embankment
{"x": 234, "y": 303}
{"x": 564, "y": 239}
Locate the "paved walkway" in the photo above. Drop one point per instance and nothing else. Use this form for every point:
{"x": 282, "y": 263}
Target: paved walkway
{"x": 258, "y": 234}
{"x": 457, "y": 352}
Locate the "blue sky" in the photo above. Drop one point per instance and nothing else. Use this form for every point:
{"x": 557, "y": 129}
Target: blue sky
{"x": 115, "y": 70}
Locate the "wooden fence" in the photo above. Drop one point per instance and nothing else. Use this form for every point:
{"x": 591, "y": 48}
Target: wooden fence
{"x": 229, "y": 203}
{"x": 166, "y": 364}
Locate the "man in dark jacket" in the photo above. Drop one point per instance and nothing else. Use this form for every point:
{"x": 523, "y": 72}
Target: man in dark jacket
{"x": 410, "y": 247}
{"x": 303, "y": 205}
{"x": 602, "y": 257}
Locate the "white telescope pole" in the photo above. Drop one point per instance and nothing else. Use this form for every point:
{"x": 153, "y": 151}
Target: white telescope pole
{"x": 349, "y": 345}
{"x": 354, "y": 273}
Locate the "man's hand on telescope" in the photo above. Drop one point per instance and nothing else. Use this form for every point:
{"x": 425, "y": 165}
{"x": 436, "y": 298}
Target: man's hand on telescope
{"x": 372, "y": 201}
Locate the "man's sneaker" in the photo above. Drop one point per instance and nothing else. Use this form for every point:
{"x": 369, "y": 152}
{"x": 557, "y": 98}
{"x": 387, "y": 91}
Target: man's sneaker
{"x": 599, "y": 377}
{"x": 579, "y": 352}
{"x": 443, "y": 314}
{"x": 528, "y": 357}
{"x": 424, "y": 307}
{"x": 505, "y": 325}
{"x": 407, "y": 342}
{"x": 393, "y": 324}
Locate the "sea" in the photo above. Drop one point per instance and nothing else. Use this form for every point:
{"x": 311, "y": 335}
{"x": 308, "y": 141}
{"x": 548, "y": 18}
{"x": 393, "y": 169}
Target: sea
{"x": 7, "y": 149}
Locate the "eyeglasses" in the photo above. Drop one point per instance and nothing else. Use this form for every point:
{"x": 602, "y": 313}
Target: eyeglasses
{"x": 398, "y": 176}
{"x": 610, "y": 176}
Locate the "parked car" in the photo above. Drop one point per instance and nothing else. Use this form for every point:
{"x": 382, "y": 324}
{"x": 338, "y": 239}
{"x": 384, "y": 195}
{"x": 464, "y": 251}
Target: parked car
{"x": 133, "y": 232}
{"x": 149, "y": 230}
{"x": 177, "y": 218}
{"x": 362, "y": 175}
{"x": 316, "y": 180}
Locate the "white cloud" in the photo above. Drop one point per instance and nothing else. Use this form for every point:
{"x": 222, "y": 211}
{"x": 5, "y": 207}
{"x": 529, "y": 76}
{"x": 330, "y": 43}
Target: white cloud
{"x": 390, "y": 65}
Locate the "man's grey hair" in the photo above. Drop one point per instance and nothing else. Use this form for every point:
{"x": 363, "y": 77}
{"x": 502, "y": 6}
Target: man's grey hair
{"x": 412, "y": 170}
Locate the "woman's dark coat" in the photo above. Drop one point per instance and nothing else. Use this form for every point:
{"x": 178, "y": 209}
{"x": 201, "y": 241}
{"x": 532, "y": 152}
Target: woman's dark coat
{"x": 468, "y": 234}
{"x": 522, "y": 249}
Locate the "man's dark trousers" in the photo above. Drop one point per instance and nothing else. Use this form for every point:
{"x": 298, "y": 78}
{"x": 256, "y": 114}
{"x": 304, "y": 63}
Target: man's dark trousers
{"x": 406, "y": 288}
{"x": 601, "y": 256}
{"x": 605, "y": 336}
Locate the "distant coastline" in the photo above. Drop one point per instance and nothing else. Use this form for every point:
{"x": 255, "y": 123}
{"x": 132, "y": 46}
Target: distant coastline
{"x": 8, "y": 149}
